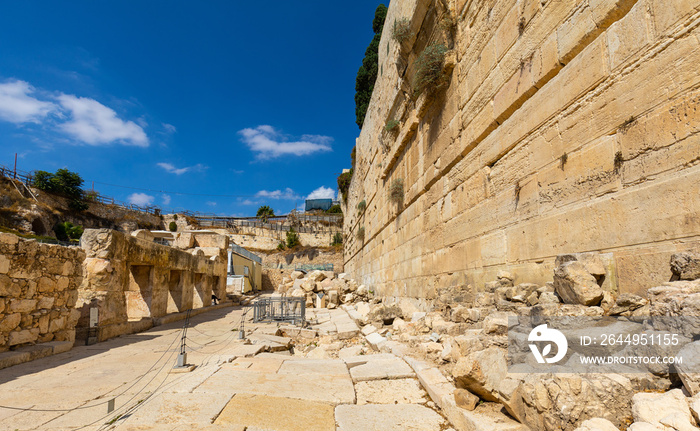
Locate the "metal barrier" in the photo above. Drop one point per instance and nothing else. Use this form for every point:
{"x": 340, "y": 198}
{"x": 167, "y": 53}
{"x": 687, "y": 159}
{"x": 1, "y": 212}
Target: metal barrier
{"x": 280, "y": 309}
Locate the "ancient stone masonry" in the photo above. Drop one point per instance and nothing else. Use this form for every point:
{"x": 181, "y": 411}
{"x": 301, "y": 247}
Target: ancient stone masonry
{"x": 133, "y": 281}
{"x": 38, "y": 290}
{"x": 562, "y": 127}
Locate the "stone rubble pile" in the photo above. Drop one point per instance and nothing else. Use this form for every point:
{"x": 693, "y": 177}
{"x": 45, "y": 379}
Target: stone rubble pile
{"x": 466, "y": 336}
{"x": 323, "y": 289}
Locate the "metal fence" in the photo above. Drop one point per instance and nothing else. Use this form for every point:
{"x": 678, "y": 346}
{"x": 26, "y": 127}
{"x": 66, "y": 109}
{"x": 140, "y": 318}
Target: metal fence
{"x": 303, "y": 267}
{"x": 280, "y": 309}
{"x": 245, "y": 253}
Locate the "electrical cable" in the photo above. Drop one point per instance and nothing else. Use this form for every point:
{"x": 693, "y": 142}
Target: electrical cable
{"x": 101, "y": 403}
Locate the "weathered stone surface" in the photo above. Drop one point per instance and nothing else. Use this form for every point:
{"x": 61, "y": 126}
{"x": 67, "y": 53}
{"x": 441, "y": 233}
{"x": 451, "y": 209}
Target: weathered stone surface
{"x": 465, "y": 399}
{"x": 378, "y": 367}
{"x": 398, "y": 391}
{"x": 685, "y": 266}
{"x": 378, "y": 417}
{"x": 481, "y": 373}
{"x": 375, "y": 340}
{"x": 597, "y": 424}
{"x": 277, "y": 414}
{"x": 653, "y": 408}
{"x": 23, "y": 336}
{"x": 575, "y": 285}
{"x": 9, "y": 322}
{"x": 688, "y": 370}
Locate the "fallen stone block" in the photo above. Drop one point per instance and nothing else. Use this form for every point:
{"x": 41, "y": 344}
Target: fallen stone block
{"x": 597, "y": 424}
{"x": 375, "y": 340}
{"x": 685, "y": 266}
{"x": 575, "y": 285}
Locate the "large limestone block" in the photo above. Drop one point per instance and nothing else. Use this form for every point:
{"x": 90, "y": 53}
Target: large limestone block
{"x": 23, "y": 305}
{"x": 654, "y": 407}
{"x": 597, "y": 424}
{"x": 575, "y": 285}
{"x": 8, "y": 288}
{"x": 277, "y": 414}
{"x": 387, "y": 417}
{"x": 688, "y": 369}
{"x": 482, "y": 372}
{"x": 10, "y": 322}
{"x": 399, "y": 391}
{"x": 24, "y": 336}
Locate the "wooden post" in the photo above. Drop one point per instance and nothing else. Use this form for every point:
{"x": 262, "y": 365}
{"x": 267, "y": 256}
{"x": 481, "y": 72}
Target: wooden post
{"x": 15, "y": 166}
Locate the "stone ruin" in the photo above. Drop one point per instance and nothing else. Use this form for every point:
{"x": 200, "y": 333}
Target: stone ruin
{"x": 133, "y": 282}
{"x": 464, "y": 331}
{"x": 38, "y": 290}
{"x": 47, "y": 291}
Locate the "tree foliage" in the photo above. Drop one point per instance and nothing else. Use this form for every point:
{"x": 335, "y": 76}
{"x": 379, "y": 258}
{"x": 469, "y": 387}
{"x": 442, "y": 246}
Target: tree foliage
{"x": 64, "y": 183}
{"x": 367, "y": 74}
{"x": 172, "y": 226}
{"x": 335, "y": 209}
{"x": 292, "y": 238}
{"x": 264, "y": 213}
{"x": 344, "y": 184}
{"x": 67, "y": 231}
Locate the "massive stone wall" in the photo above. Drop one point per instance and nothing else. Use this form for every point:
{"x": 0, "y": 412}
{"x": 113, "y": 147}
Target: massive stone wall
{"x": 564, "y": 126}
{"x": 132, "y": 281}
{"x": 38, "y": 291}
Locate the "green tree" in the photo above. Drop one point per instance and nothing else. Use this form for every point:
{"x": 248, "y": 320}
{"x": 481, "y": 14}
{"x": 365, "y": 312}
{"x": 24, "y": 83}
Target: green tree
{"x": 335, "y": 209}
{"x": 292, "y": 238}
{"x": 264, "y": 213}
{"x": 67, "y": 231}
{"x": 367, "y": 74}
{"x": 65, "y": 183}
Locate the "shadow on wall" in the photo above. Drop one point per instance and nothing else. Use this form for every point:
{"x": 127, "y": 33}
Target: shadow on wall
{"x": 309, "y": 252}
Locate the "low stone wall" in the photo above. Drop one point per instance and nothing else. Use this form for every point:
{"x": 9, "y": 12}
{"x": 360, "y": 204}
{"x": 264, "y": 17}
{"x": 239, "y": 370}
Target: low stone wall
{"x": 38, "y": 291}
{"x": 133, "y": 282}
{"x": 266, "y": 239}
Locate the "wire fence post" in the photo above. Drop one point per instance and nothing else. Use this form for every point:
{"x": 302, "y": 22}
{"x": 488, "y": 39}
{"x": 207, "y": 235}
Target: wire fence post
{"x": 182, "y": 357}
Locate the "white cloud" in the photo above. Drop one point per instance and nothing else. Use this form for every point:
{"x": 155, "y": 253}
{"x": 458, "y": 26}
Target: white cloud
{"x": 141, "y": 199}
{"x": 95, "y": 124}
{"x": 169, "y": 167}
{"x": 269, "y": 143}
{"x": 17, "y": 106}
{"x": 166, "y": 199}
{"x": 322, "y": 193}
{"x": 286, "y": 194}
{"x": 211, "y": 203}
{"x": 169, "y": 128}
{"x": 249, "y": 202}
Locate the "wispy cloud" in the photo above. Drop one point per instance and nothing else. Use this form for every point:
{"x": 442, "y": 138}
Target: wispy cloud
{"x": 17, "y": 106}
{"x": 169, "y": 128}
{"x": 286, "y": 194}
{"x": 169, "y": 167}
{"x": 268, "y": 143}
{"x": 211, "y": 203}
{"x": 141, "y": 199}
{"x": 81, "y": 119}
{"x": 322, "y": 193}
{"x": 166, "y": 199}
{"x": 249, "y": 202}
{"x": 95, "y": 124}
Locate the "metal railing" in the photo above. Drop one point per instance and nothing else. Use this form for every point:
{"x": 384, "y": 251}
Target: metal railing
{"x": 280, "y": 309}
{"x": 245, "y": 253}
{"x": 303, "y": 267}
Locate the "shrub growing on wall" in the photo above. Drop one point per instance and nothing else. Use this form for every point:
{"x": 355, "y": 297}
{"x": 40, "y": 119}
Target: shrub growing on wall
{"x": 337, "y": 239}
{"x": 402, "y": 30}
{"x": 428, "y": 67}
{"x": 396, "y": 191}
{"x": 361, "y": 206}
{"x": 172, "y": 226}
{"x": 344, "y": 184}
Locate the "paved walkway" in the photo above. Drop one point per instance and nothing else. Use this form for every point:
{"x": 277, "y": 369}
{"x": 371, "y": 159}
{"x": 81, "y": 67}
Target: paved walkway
{"x": 233, "y": 387}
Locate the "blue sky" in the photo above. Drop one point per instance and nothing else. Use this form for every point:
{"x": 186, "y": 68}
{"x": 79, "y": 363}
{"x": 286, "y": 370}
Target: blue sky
{"x": 250, "y": 103}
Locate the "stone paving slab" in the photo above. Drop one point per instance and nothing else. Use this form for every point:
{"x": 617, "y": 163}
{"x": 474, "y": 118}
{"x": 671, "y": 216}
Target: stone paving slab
{"x": 399, "y": 391}
{"x": 387, "y": 417}
{"x": 331, "y": 367}
{"x": 277, "y": 414}
{"x": 312, "y": 387}
{"x": 260, "y": 365}
{"x": 177, "y": 408}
